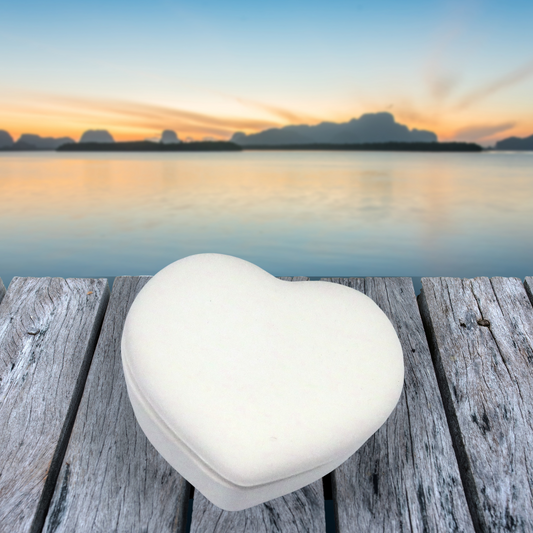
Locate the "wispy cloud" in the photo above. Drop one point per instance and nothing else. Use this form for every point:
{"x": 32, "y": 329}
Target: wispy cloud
{"x": 481, "y": 132}
{"x": 285, "y": 114}
{"x": 440, "y": 80}
{"x": 156, "y": 114}
{"x": 508, "y": 80}
{"x": 180, "y": 83}
{"x": 441, "y": 72}
{"x": 109, "y": 113}
{"x": 409, "y": 112}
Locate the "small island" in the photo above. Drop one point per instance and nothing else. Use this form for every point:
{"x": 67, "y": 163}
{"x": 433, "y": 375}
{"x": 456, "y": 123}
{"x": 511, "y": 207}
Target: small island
{"x": 382, "y": 146}
{"x": 149, "y": 146}
{"x": 228, "y": 146}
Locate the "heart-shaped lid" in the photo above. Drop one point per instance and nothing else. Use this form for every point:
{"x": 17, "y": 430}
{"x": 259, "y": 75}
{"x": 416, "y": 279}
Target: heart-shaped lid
{"x": 261, "y": 379}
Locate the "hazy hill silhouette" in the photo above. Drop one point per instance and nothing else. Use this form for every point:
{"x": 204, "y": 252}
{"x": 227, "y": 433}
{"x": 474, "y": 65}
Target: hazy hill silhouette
{"x": 30, "y": 141}
{"x": 369, "y": 128}
{"x": 169, "y": 137}
{"x": 19, "y": 146}
{"x": 5, "y": 139}
{"x": 43, "y": 143}
{"x": 96, "y": 136}
{"x": 515, "y": 143}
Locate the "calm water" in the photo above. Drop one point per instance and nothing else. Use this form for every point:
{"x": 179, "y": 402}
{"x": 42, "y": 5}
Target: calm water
{"x": 292, "y": 213}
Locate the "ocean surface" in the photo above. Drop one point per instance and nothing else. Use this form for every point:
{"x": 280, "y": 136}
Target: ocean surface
{"x": 313, "y": 214}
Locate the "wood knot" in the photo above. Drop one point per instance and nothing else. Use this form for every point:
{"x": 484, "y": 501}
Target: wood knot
{"x": 483, "y": 322}
{"x": 33, "y": 331}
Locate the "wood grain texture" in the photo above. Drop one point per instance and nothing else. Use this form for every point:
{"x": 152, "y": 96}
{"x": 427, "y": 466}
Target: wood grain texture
{"x": 2, "y": 290}
{"x": 528, "y": 284}
{"x": 298, "y": 512}
{"x": 112, "y": 479}
{"x": 481, "y": 335}
{"x": 405, "y": 478}
{"x": 48, "y": 331}
{"x": 301, "y": 511}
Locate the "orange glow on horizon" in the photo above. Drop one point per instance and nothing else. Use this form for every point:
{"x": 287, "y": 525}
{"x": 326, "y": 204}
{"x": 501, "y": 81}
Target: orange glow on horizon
{"x": 128, "y": 121}
{"x": 124, "y": 133}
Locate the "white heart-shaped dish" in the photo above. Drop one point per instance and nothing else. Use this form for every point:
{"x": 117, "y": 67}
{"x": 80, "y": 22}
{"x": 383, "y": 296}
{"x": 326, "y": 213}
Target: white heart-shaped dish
{"x": 252, "y": 387}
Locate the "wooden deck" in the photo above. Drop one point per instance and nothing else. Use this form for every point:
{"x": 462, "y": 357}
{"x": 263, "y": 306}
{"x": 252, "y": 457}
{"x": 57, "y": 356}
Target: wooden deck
{"x": 453, "y": 456}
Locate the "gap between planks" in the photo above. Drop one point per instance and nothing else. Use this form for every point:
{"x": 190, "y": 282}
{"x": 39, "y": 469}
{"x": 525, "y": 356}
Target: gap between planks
{"x": 112, "y": 478}
{"x": 2, "y": 290}
{"x": 48, "y": 331}
{"x": 405, "y": 477}
{"x": 481, "y": 338}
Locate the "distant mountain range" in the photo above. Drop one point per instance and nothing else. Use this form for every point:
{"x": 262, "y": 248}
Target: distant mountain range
{"x": 515, "y": 143}
{"x": 369, "y": 128}
{"x": 29, "y": 141}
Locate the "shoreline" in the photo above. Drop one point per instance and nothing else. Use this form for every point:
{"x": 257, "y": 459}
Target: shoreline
{"x": 227, "y": 146}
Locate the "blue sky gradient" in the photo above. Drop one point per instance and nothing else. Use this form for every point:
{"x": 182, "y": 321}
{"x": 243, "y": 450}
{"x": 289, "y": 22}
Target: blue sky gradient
{"x": 461, "y": 69}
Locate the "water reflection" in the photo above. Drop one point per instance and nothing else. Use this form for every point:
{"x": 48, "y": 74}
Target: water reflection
{"x": 299, "y": 213}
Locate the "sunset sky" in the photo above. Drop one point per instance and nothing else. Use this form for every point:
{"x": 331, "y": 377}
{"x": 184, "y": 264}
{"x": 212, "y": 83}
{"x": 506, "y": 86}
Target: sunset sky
{"x": 463, "y": 69}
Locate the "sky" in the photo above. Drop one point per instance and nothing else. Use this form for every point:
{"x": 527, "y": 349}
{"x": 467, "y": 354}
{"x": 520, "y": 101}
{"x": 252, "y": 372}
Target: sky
{"x": 462, "y": 69}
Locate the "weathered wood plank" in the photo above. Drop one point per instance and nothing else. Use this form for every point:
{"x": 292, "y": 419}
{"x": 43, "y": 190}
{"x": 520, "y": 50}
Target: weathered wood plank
{"x": 528, "y": 284}
{"x": 405, "y": 477}
{"x": 48, "y": 331}
{"x": 112, "y": 479}
{"x": 355, "y": 283}
{"x": 2, "y": 290}
{"x": 299, "y": 511}
{"x": 481, "y": 335}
